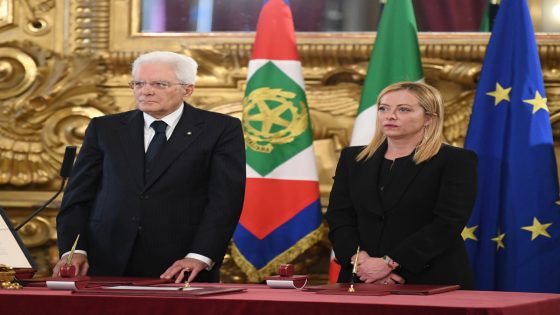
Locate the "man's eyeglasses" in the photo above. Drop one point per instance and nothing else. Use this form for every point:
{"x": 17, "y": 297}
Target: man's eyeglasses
{"x": 159, "y": 85}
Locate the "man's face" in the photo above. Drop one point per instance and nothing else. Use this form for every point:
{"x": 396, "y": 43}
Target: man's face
{"x": 161, "y": 94}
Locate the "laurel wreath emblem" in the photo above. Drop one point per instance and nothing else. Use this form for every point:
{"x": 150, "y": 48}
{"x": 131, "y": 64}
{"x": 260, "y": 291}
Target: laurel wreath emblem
{"x": 270, "y": 118}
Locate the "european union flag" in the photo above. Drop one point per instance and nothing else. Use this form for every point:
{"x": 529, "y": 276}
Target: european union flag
{"x": 513, "y": 236}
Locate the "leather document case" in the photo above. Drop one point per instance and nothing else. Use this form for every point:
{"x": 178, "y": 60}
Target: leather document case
{"x": 93, "y": 282}
{"x": 170, "y": 291}
{"x": 421, "y": 289}
{"x": 382, "y": 289}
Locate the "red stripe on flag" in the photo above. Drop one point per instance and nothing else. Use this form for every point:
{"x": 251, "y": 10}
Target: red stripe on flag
{"x": 334, "y": 269}
{"x": 275, "y": 38}
{"x": 269, "y": 203}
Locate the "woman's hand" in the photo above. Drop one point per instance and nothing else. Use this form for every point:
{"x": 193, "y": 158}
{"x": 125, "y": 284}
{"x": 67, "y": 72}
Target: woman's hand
{"x": 371, "y": 269}
{"x": 392, "y": 278}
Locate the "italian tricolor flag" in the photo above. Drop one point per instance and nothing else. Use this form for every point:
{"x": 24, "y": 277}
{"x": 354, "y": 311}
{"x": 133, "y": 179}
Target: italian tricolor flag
{"x": 395, "y": 57}
{"x": 282, "y": 212}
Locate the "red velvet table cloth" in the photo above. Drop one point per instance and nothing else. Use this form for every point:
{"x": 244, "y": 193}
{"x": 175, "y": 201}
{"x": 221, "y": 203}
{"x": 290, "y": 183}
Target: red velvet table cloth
{"x": 260, "y": 299}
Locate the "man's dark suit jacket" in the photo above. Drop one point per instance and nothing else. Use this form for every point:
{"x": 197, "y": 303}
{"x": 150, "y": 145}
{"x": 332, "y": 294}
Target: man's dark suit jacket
{"x": 420, "y": 225}
{"x": 189, "y": 202}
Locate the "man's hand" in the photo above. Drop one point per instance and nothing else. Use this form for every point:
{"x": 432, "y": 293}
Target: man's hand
{"x": 178, "y": 267}
{"x": 371, "y": 269}
{"x": 79, "y": 261}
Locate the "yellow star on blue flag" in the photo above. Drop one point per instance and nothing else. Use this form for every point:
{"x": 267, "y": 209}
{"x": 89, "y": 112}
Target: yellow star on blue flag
{"x": 537, "y": 229}
{"x": 499, "y": 239}
{"x": 500, "y": 94}
{"x": 538, "y": 102}
{"x": 468, "y": 233}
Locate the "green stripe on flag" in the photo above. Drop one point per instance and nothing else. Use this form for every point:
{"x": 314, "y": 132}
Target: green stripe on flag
{"x": 275, "y": 119}
{"x": 396, "y": 54}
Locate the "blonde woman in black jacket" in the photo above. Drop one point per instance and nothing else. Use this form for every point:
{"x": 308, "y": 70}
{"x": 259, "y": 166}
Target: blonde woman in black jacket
{"x": 405, "y": 198}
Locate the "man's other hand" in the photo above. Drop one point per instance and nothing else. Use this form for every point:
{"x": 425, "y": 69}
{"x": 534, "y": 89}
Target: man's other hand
{"x": 186, "y": 264}
{"x": 79, "y": 261}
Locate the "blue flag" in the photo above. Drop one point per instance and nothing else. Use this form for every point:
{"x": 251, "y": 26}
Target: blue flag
{"x": 513, "y": 236}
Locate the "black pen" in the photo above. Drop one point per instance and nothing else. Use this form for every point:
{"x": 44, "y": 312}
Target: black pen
{"x": 354, "y": 271}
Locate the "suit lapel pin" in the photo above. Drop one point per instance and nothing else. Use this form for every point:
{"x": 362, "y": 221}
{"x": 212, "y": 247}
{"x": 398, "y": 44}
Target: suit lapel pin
{"x": 189, "y": 133}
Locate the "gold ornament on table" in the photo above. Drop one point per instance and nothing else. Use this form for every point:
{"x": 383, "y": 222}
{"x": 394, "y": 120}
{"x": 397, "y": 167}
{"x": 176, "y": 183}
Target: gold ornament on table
{"x": 7, "y": 277}
{"x": 186, "y": 276}
{"x": 354, "y": 271}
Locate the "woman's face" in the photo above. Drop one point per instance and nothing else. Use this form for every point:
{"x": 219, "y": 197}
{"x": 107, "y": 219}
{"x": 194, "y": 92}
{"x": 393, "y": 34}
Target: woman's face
{"x": 400, "y": 117}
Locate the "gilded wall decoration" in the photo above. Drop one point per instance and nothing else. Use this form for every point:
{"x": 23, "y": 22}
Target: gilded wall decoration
{"x": 36, "y": 19}
{"x": 6, "y": 12}
{"x": 47, "y": 101}
{"x": 89, "y": 26}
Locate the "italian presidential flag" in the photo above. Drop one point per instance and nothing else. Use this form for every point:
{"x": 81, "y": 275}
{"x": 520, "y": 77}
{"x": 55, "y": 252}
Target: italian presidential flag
{"x": 395, "y": 57}
{"x": 282, "y": 213}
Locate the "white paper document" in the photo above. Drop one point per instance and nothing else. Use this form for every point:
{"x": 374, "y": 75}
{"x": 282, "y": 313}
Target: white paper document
{"x": 10, "y": 253}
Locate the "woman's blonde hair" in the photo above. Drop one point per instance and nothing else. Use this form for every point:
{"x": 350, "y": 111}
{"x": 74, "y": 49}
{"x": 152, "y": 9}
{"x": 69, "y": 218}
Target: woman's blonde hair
{"x": 431, "y": 101}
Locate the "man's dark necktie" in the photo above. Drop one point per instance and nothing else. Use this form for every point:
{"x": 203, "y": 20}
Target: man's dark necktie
{"x": 158, "y": 141}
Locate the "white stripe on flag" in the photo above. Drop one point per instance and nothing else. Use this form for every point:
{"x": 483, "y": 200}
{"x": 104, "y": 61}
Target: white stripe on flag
{"x": 292, "y": 68}
{"x": 364, "y": 126}
{"x": 300, "y": 167}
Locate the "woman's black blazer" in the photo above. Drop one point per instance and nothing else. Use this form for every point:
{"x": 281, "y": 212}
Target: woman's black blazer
{"x": 421, "y": 221}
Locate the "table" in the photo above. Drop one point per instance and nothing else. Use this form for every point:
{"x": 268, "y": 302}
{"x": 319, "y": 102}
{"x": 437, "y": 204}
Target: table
{"x": 260, "y": 299}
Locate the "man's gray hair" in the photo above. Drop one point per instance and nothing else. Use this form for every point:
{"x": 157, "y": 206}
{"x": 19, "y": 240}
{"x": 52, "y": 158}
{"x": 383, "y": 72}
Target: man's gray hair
{"x": 185, "y": 67}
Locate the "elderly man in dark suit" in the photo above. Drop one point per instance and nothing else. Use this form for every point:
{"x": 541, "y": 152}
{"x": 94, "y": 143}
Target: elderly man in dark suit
{"x": 157, "y": 190}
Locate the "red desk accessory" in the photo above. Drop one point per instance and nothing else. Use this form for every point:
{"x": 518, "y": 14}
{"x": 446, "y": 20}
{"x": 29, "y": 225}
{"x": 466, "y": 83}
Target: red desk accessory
{"x": 286, "y": 278}
{"x": 69, "y": 270}
{"x": 286, "y": 270}
{"x": 24, "y": 273}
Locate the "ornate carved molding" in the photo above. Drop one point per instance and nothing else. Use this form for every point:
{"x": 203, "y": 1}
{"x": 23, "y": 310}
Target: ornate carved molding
{"x": 46, "y": 102}
{"x": 6, "y": 13}
{"x": 90, "y": 22}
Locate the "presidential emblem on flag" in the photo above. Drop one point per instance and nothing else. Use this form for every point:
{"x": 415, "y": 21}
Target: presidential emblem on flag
{"x": 271, "y": 117}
